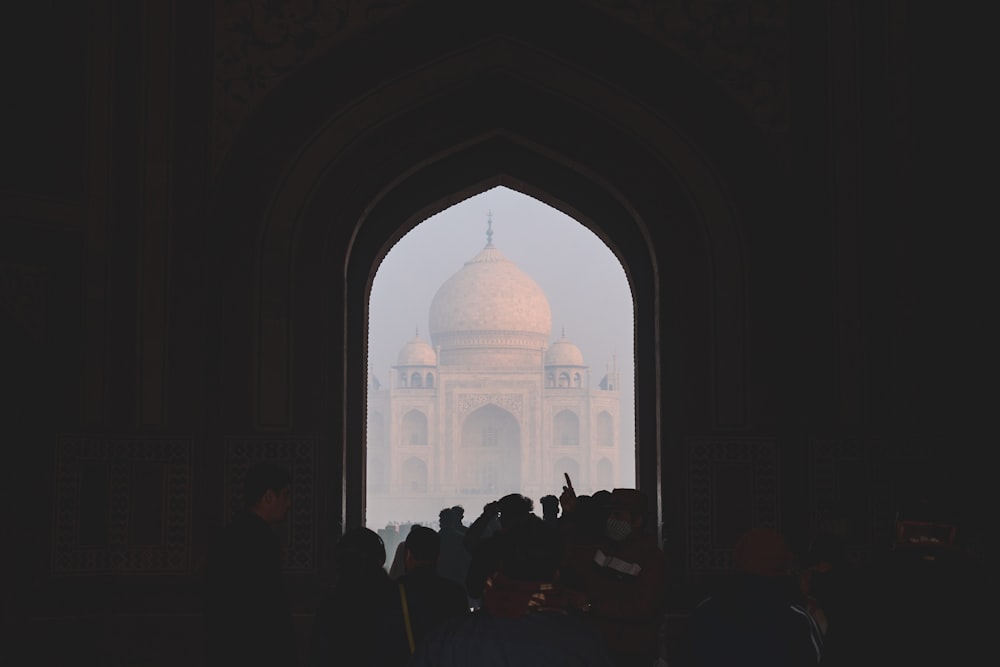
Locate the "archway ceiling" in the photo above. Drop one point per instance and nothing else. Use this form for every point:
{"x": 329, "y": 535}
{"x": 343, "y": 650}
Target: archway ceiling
{"x": 258, "y": 47}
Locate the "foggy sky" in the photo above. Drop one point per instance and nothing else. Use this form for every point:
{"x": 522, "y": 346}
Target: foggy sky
{"x": 585, "y": 284}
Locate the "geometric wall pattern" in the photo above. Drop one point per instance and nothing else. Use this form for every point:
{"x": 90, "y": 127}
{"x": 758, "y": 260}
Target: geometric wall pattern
{"x": 732, "y": 487}
{"x": 855, "y": 489}
{"x": 298, "y": 456}
{"x": 122, "y": 505}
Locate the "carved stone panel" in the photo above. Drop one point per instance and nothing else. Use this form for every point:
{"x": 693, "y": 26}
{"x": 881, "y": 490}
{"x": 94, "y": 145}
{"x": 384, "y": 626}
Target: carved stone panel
{"x": 512, "y": 403}
{"x": 298, "y": 455}
{"x": 122, "y": 505}
{"x": 855, "y": 487}
{"x": 732, "y": 486}
{"x": 258, "y": 43}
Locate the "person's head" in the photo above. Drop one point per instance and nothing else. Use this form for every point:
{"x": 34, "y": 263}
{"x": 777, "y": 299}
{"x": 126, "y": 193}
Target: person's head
{"x": 422, "y": 547}
{"x": 550, "y": 506}
{"x": 762, "y": 552}
{"x": 513, "y": 507}
{"x": 446, "y": 517}
{"x": 266, "y": 491}
{"x": 358, "y": 550}
{"x": 627, "y": 513}
{"x": 459, "y": 513}
{"x": 602, "y": 500}
{"x": 532, "y": 550}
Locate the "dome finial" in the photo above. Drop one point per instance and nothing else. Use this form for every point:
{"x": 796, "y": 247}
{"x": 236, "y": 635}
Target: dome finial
{"x": 564, "y": 333}
{"x": 489, "y": 229}
{"x": 416, "y": 331}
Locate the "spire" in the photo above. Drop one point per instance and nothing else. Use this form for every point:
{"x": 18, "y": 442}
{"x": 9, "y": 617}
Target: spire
{"x": 489, "y": 229}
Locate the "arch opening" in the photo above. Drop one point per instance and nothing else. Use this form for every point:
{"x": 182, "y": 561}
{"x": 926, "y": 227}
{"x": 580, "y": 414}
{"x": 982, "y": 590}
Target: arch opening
{"x": 493, "y": 412}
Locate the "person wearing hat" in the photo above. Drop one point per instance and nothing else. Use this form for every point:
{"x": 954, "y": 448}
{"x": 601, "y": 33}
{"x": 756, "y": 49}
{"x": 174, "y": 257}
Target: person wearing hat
{"x": 622, "y": 580}
{"x": 759, "y": 617}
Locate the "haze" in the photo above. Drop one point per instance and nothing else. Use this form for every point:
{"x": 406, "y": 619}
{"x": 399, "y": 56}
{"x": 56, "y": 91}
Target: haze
{"x": 585, "y": 285}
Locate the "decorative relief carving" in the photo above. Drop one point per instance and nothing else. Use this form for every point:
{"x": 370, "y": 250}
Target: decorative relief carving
{"x": 119, "y": 456}
{"x": 742, "y": 46}
{"x": 298, "y": 455}
{"x": 492, "y": 339}
{"x": 512, "y": 403}
{"x": 760, "y": 456}
{"x": 22, "y": 296}
{"x": 259, "y": 42}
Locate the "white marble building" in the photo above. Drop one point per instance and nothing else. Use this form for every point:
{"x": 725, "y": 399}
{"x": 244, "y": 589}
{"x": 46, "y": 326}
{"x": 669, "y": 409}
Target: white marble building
{"x": 489, "y": 406}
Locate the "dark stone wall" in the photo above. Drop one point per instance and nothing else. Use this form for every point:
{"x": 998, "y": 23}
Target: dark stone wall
{"x": 192, "y": 206}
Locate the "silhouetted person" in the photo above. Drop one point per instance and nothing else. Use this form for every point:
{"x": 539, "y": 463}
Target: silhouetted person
{"x": 760, "y": 617}
{"x": 550, "y": 508}
{"x": 420, "y": 601}
{"x": 247, "y": 617}
{"x": 397, "y": 567}
{"x": 524, "y": 621}
{"x": 453, "y": 562}
{"x": 623, "y": 577}
{"x": 485, "y": 551}
{"x": 345, "y": 628}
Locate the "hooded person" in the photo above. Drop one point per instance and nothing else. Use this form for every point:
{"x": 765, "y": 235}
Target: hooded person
{"x": 622, "y": 579}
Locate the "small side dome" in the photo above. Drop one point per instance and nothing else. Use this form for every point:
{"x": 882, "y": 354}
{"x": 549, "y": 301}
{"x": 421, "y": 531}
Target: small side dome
{"x": 417, "y": 352}
{"x": 563, "y": 353}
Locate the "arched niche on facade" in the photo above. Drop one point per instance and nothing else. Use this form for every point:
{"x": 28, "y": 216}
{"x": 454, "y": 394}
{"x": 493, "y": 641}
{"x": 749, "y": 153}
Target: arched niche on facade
{"x": 414, "y": 428}
{"x": 568, "y": 466}
{"x": 662, "y": 169}
{"x": 566, "y": 429}
{"x": 490, "y": 441}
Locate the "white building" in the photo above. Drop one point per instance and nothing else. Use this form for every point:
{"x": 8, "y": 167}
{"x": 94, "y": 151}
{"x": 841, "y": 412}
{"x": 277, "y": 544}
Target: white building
{"x": 489, "y": 406}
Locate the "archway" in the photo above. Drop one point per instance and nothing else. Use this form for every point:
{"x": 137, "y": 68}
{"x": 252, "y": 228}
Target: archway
{"x": 490, "y": 452}
{"x": 566, "y": 429}
{"x": 644, "y": 167}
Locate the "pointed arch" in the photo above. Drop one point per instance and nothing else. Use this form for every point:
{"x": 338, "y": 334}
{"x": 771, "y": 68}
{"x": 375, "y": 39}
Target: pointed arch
{"x": 414, "y": 430}
{"x": 566, "y": 429}
{"x": 611, "y": 149}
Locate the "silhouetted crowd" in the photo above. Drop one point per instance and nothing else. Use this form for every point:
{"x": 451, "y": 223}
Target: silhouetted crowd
{"x": 582, "y": 584}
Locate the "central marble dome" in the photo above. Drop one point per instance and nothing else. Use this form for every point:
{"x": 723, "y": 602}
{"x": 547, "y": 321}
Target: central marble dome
{"x": 490, "y": 313}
